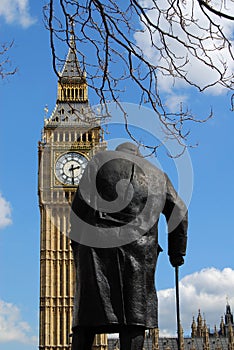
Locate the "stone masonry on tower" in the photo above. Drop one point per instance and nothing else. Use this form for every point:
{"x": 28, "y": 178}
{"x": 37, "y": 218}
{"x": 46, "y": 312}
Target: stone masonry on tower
{"x": 70, "y": 137}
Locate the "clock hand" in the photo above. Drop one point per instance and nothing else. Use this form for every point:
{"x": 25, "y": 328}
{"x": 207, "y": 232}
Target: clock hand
{"x": 78, "y": 167}
{"x": 72, "y": 173}
{"x": 72, "y": 168}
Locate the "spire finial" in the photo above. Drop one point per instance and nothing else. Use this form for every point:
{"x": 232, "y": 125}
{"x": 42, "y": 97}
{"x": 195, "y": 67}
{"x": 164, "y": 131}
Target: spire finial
{"x": 46, "y": 110}
{"x": 72, "y": 32}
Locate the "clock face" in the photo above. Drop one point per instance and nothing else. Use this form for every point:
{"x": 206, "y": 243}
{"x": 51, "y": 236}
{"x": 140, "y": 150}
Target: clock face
{"x": 70, "y": 167}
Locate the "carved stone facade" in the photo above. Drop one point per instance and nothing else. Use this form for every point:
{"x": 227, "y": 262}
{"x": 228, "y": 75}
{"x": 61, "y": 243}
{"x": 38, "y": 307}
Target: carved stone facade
{"x": 201, "y": 337}
{"x": 70, "y": 137}
{"x": 201, "y": 330}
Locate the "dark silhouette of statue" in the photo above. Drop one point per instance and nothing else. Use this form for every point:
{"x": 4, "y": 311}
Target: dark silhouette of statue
{"x": 114, "y": 236}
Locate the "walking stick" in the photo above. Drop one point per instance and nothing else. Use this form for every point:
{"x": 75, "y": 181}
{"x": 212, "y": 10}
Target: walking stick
{"x": 178, "y": 305}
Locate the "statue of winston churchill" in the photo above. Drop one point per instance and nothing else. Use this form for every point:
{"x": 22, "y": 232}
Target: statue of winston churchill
{"x": 114, "y": 238}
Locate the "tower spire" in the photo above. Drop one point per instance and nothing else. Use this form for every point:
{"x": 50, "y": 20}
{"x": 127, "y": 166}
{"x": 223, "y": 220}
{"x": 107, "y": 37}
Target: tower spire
{"x": 194, "y": 329}
{"x": 71, "y": 68}
{"x": 72, "y": 84}
{"x": 206, "y": 343}
{"x": 199, "y": 324}
{"x": 228, "y": 315}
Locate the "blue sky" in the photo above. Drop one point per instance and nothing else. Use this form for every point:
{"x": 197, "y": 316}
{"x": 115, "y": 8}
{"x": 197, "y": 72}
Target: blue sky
{"x": 207, "y": 277}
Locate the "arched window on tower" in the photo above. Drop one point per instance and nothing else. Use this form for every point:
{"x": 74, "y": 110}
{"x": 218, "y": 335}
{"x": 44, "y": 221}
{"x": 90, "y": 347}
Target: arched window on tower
{"x": 81, "y": 94}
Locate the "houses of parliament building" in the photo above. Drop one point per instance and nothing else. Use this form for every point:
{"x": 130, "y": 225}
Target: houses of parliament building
{"x": 71, "y": 135}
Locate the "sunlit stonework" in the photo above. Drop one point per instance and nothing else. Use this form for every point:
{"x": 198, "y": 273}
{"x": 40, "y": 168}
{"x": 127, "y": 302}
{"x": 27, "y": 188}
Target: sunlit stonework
{"x": 70, "y": 137}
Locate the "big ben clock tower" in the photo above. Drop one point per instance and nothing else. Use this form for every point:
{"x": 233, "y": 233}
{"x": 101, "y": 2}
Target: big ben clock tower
{"x": 70, "y": 136}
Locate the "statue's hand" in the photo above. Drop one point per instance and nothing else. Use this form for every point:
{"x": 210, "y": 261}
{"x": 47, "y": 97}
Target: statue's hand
{"x": 176, "y": 260}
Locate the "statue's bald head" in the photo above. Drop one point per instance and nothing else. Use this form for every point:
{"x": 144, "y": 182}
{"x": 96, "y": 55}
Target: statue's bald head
{"x": 129, "y": 147}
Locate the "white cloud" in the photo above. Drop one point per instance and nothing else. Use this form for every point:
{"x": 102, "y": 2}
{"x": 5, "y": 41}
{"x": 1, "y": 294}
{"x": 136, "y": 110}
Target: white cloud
{"x": 192, "y": 66}
{"x": 5, "y": 212}
{"x": 16, "y": 11}
{"x": 12, "y": 327}
{"x": 205, "y": 290}
{"x": 174, "y": 101}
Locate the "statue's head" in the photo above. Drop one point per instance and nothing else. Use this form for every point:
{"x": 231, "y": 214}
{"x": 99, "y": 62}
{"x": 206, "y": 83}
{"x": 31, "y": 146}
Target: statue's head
{"x": 129, "y": 147}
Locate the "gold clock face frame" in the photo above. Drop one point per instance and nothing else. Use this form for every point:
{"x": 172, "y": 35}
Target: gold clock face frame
{"x": 69, "y": 168}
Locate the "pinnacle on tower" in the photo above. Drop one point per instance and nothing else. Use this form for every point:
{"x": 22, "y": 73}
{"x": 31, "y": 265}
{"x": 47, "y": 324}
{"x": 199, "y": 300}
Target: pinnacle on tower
{"x": 71, "y": 68}
{"x": 194, "y": 329}
{"x": 199, "y": 324}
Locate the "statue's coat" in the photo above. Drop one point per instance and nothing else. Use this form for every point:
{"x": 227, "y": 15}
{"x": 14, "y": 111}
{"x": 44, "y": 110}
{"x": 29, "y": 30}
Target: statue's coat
{"x": 116, "y": 286}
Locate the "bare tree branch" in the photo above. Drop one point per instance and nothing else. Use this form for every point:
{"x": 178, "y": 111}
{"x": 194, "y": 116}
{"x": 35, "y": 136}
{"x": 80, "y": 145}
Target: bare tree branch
{"x": 178, "y": 34}
{"x": 5, "y": 62}
{"x": 213, "y": 10}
